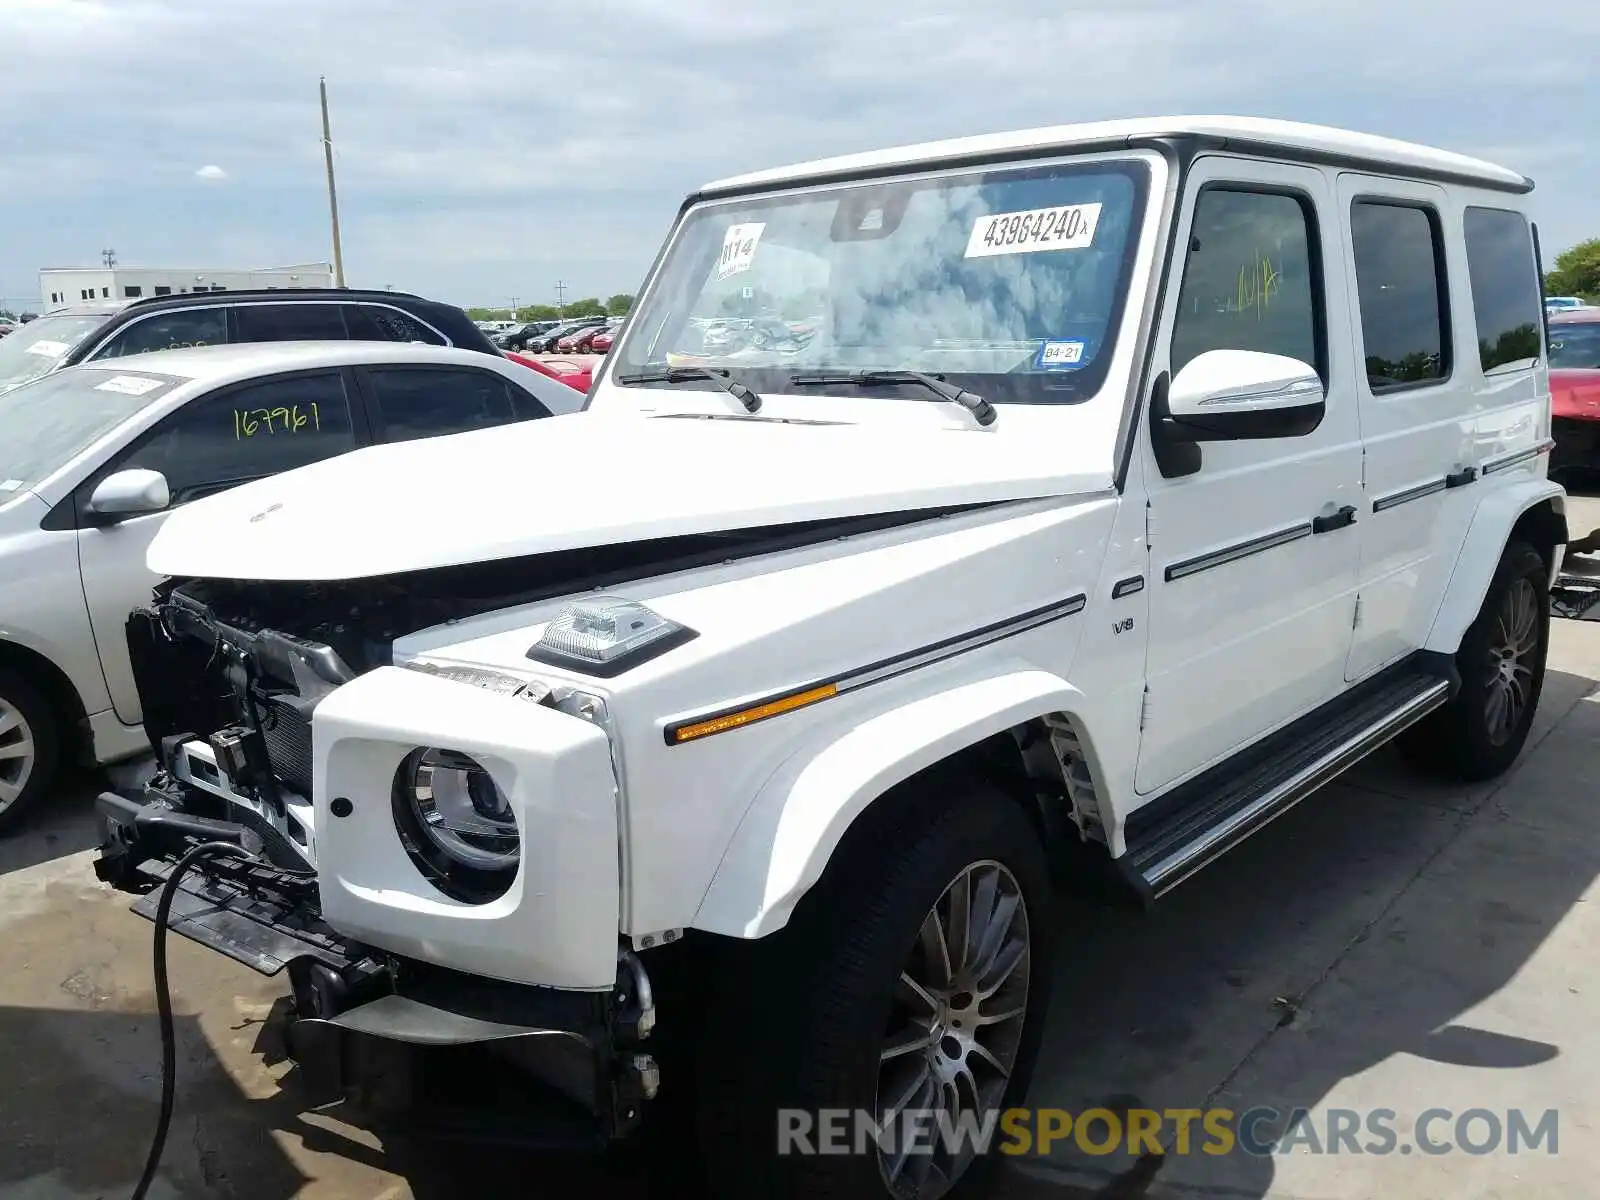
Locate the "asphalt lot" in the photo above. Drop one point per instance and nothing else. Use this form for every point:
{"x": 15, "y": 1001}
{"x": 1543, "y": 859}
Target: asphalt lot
{"x": 1390, "y": 944}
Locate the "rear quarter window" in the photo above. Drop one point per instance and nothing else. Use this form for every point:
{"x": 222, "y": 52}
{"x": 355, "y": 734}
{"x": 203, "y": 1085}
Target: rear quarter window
{"x": 377, "y": 323}
{"x": 1505, "y": 287}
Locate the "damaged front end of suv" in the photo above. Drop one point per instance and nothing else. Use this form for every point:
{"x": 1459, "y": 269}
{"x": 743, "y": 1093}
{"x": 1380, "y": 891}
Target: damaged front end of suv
{"x": 228, "y": 700}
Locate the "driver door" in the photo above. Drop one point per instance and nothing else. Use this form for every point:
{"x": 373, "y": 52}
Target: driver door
{"x": 217, "y": 441}
{"x": 1250, "y": 609}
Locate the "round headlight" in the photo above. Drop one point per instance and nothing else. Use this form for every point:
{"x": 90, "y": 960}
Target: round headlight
{"x": 458, "y": 823}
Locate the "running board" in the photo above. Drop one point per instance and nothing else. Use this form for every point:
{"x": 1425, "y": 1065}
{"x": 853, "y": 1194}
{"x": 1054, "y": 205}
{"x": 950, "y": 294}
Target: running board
{"x": 1211, "y": 814}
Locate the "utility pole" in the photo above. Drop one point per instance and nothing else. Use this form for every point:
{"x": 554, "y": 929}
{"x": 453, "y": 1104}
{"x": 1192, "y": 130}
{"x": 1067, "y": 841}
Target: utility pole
{"x": 513, "y": 308}
{"x": 333, "y": 195}
{"x": 109, "y": 257}
{"x": 561, "y": 298}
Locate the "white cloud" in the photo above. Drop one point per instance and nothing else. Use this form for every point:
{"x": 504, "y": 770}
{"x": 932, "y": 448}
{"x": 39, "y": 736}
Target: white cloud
{"x": 210, "y": 173}
{"x": 480, "y": 158}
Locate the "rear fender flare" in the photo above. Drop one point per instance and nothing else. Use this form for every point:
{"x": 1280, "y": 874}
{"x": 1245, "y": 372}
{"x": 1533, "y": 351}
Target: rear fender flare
{"x": 1492, "y": 524}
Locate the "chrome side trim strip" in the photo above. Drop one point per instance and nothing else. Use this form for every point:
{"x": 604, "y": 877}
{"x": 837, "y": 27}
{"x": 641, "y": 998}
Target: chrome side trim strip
{"x": 1220, "y": 558}
{"x": 1405, "y": 495}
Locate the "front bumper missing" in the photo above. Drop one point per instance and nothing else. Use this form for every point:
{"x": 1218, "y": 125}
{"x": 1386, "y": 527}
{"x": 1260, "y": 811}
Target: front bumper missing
{"x": 400, "y": 1042}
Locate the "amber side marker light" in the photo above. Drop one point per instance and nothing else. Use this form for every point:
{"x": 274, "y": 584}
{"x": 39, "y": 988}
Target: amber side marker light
{"x": 758, "y": 712}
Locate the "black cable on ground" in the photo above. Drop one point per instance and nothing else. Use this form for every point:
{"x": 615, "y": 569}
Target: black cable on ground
{"x": 169, "y": 1040}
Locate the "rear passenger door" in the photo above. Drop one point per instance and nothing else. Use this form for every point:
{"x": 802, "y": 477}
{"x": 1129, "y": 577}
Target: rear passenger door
{"x": 1415, "y": 404}
{"x": 410, "y": 402}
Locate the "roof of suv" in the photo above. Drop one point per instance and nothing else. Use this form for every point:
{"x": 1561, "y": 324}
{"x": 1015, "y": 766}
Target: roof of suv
{"x": 1318, "y": 143}
{"x": 447, "y": 319}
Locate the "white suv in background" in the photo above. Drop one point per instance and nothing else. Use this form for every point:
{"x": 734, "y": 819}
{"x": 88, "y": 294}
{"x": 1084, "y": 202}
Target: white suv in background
{"x": 96, "y": 457}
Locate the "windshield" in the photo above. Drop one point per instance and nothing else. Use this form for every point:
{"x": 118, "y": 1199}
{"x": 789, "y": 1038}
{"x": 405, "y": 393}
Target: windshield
{"x": 1575, "y": 344}
{"x": 39, "y": 345}
{"x": 1008, "y": 282}
{"x": 49, "y": 420}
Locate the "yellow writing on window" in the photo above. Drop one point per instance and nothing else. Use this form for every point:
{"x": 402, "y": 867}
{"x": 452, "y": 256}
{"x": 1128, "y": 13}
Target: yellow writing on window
{"x": 1258, "y": 283}
{"x": 247, "y": 422}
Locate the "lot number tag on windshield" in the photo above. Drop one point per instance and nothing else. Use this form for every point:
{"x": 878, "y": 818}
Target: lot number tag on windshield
{"x": 739, "y": 248}
{"x": 1069, "y": 227}
{"x": 128, "y": 385}
{"x": 48, "y": 349}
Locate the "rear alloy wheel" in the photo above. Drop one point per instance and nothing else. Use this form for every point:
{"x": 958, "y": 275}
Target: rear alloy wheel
{"x": 1480, "y": 732}
{"x": 28, "y": 750}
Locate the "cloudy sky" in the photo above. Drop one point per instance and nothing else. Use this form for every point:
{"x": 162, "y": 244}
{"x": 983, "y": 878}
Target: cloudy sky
{"x": 486, "y": 151}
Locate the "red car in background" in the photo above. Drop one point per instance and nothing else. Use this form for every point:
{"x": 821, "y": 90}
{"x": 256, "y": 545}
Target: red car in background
{"x": 577, "y": 342}
{"x": 1575, "y": 390}
{"x": 600, "y": 343}
{"x": 574, "y": 374}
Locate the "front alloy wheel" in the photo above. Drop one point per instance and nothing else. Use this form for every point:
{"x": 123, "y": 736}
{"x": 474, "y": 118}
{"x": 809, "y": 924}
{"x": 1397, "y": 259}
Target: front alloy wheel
{"x": 18, "y": 753}
{"x": 956, "y": 1027}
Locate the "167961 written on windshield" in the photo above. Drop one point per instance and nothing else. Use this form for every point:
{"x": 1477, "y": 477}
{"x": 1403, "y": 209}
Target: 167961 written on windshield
{"x": 1065, "y": 227}
{"x": 248, "y": 422}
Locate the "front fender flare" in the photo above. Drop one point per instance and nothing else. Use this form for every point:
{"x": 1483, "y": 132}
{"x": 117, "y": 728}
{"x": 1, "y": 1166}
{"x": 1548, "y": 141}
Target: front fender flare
{"x": 1492, "y": 522}
{"x": 791, "y": 828}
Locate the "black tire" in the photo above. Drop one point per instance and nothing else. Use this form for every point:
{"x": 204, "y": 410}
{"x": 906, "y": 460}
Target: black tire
{"x": 1459, "y": 741}
{"x": 18, "y": 694}
{"x": 798, "y": 1020}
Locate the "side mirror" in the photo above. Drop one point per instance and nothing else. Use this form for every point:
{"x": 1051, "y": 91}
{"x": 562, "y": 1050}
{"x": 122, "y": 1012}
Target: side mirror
{"x": 1223, "y": 395}
{"x": 130, "y": 493}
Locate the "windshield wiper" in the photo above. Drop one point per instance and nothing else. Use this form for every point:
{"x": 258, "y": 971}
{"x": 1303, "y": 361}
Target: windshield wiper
{"x": 723, "y": 379}
{"x": 980, "y": 408}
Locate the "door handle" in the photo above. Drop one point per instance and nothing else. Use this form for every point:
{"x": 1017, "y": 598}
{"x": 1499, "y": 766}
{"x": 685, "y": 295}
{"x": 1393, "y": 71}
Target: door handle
{"x": 1461, "y": 478}
{"x": 1345, "y": 516}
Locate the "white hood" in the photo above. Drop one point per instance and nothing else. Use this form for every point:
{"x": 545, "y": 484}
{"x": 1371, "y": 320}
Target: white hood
{"x": 591, "y": 479}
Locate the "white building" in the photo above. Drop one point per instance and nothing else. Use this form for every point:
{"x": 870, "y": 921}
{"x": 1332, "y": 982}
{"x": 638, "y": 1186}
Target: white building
{"x": 61, "y": 286}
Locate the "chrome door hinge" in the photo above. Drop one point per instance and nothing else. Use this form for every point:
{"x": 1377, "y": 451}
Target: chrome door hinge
{"x": 1144, "y": 710}
{"x": 1355, "y": 617}
{"x": 1149, "y": 525}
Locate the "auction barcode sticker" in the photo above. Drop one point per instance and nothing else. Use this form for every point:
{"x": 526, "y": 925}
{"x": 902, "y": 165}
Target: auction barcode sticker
{"x": 739, "y": 248}
{"x": 1068, "y": 227}
{"x": 128, "y": 385}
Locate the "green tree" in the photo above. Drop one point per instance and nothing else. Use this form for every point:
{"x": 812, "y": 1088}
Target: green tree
{"x": 1577, "y": 272}
{"x": 488, "y": 314}
{"x": 589, "y": 306}
{"x": 7, "y": 315}
{"x": 618, "y": 305}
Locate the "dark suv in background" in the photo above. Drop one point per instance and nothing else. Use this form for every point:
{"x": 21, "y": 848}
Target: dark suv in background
{"x": 88, "y": 332}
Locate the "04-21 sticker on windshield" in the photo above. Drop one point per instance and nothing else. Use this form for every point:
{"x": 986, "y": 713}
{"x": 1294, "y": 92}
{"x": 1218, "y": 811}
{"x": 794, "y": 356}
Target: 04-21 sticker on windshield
{"x": 1065, "y": 227}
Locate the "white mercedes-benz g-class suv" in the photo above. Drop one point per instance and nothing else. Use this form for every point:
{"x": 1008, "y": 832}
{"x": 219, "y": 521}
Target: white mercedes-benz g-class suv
{"x": 1094, "y": 495}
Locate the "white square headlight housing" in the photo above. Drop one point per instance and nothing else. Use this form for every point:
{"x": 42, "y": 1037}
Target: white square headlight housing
{"x": 607, "y": 635}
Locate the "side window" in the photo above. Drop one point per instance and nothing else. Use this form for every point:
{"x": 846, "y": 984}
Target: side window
{"x": 1400, "y": 285}
{"x": 1252, "y": 280}
{"x": 169, "y": 331}
{"x": 375, "y": 323}
{"x": 289, "y": 323}
{"x": 417, "y": 402}
{"x": 247, "y": 433}
{"x": 1505, "y": 286}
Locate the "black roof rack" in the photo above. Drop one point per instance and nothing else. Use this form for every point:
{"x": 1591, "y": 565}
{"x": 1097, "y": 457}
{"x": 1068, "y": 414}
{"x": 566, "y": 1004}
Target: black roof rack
{"x": 274, "y": 293}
